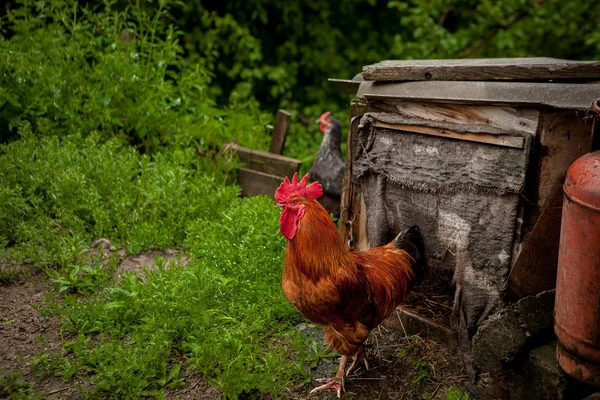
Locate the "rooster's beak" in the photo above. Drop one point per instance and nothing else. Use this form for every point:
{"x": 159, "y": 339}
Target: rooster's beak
{"x": 279, "y": 205}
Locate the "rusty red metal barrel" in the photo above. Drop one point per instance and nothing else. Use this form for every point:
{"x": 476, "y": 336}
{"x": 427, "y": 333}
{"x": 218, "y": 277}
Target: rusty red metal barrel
{"x": 577, "y": 309}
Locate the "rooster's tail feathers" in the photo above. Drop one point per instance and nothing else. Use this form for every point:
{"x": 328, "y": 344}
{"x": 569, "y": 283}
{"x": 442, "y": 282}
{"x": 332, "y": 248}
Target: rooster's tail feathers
{"x": 411, "y": 241}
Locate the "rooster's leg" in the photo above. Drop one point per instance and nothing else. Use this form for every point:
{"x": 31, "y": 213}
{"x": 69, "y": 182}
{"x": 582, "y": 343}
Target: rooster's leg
{"x": 358, "y": 357}
{"x": 336, "y": 382}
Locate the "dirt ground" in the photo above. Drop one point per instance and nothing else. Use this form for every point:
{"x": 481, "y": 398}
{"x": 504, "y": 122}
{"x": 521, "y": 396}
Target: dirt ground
{"x": 400, "y": 367}
{"x": 24, "y": 331}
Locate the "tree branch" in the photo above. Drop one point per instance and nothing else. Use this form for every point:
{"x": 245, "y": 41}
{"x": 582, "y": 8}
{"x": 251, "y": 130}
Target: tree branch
{"x": 486, "y": 39}
{"x": 442, "y": 19}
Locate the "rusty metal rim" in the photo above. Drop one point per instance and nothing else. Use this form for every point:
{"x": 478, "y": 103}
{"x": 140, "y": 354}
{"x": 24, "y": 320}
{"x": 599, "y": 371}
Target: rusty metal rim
{"x": 581, "y": 370}
{"x": 579, "y": 202}
{"x": 561, "y": 331}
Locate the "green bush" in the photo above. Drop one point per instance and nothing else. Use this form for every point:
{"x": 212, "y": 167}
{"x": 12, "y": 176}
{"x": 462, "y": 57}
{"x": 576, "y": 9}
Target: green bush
{"x": 283, "y": 52}
{"x": 69, "y": 69}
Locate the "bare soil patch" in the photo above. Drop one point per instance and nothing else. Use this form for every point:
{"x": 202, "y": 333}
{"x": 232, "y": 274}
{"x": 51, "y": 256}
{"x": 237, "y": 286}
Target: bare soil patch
{"x": 145, "y": 261}
{"x": 196, "y": 388}
{"x": 25, "y": 332}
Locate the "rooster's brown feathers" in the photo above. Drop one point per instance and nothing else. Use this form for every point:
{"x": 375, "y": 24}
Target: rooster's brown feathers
{"x": 347, "y": 293}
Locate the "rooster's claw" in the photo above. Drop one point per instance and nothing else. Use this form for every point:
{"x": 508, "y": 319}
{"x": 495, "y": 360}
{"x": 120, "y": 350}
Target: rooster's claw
{"x": 330, "y": 383}
{"x": 358, "y": 358}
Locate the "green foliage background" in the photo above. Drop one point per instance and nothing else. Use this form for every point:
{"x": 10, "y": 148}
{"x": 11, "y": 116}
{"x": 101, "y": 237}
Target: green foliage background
{"x": 186, "y": 57}
{"x": 114, "y": 120}
{"x": 283, "y": 52}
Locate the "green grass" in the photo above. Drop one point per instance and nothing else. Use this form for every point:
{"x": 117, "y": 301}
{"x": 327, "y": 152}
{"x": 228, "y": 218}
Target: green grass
{"x": 56, "y": 196}
{"x": 221, "y": 311}
{"x": 13, "y": 385}
{"x": 455, "y": 393}
{"x": 223, "y": 315}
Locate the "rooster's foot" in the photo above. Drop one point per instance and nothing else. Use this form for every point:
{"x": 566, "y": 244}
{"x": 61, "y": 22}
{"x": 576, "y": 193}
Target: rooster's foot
{"x": 336, "y": 383}
{"x": 358, "y": 358}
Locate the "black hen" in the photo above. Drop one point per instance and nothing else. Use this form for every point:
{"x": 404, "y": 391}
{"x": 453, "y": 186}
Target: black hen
{"x": 329, "y": 167}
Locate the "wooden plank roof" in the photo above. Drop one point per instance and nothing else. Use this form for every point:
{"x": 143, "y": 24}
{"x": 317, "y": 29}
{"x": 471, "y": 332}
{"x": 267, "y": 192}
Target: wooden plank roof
{"x": 532, "y": 94}
{"x": 483, "y": 69}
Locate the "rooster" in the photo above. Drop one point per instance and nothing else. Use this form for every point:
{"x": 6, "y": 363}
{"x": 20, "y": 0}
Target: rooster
{"x": 329, "y": 166}
{"x": 347, "y": 293}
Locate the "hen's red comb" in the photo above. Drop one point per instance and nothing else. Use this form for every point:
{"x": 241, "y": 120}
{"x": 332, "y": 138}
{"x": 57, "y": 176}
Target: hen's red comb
{"x": 287, "y": 189}
{"x": 324, "y": 116}
{"x": 323, "y": 121}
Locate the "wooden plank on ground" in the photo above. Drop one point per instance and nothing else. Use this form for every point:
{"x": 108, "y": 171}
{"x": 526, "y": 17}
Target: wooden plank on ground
{"x": 269, "y": 163}
{"x": 410, "y": 323}
{"x": 506, "y": 118}
{"x": 482, "y": 69}
{"x": 517, "y": 142}
{"x": 282, "y": 124}
{"x": 254, "y": 183}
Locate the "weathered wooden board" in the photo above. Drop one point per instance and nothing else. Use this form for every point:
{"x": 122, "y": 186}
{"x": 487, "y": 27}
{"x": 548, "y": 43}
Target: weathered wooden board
{"x": 282, "y": 124}
{"x": 254, "y": 183}
{"x": 510, "y": 119}
{"x": 268, "y": 163}
{"x": 359, "y": 234}
{"x": 482, "y": 69}
{"x": 534, "y": 269}
{"x": 525, "y": 94}
{"x": 355, "y": 203}
{"x": 345, "y": 85}
{"x": 517, "y": 142}
{"x": 564, "y": 137}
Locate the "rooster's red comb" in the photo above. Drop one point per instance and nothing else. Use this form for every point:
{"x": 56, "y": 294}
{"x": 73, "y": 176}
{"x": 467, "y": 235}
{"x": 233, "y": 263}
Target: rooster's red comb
{"x": 287, "y": 189}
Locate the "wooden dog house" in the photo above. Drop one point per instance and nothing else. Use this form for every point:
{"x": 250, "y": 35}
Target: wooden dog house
{"x": 474, "y": 152}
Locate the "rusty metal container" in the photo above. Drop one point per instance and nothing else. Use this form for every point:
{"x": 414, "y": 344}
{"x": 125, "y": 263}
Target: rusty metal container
{"x": 577, "y": 309}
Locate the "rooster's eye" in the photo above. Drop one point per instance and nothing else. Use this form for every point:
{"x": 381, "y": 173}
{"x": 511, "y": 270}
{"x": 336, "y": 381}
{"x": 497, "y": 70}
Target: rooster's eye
{"x": 294, "y": 203}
